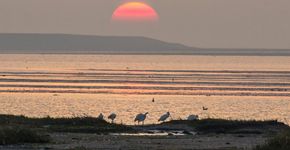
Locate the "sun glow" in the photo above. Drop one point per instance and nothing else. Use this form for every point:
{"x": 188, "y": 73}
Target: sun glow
{"x": 135, "y": 11}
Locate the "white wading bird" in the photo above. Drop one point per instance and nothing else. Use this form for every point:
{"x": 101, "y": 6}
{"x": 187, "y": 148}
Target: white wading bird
{"x": 112, "y": 117}
{"x": 141, "y": 118}
{"x": 192, "y": 117}
{"x": 164, "y": 117}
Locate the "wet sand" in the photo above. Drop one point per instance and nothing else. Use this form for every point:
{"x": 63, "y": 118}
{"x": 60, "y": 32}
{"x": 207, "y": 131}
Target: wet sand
{"x": 67, "y": 141}
{"x": 200, "y": 142}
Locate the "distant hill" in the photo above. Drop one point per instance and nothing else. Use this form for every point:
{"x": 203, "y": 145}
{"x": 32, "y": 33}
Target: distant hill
{"x": 65, "y": 43}
{"x": 88, "y": 44}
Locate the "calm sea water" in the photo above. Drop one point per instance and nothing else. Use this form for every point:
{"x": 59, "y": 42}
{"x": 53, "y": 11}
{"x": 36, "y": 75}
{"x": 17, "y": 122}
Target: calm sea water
{"x": 79, "y": 85}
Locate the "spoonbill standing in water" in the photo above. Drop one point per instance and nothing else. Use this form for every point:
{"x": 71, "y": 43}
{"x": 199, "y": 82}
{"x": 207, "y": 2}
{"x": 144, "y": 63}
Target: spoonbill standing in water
{"x": 112, "y": 117}
{"x": 164, "y": 117}
{"x": 141, "y": 118}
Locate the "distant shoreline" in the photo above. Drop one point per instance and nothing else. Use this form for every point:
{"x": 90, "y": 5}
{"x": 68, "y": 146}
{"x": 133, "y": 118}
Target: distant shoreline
{"x": 157, "y": 54}
{"x": 31, "y": 43}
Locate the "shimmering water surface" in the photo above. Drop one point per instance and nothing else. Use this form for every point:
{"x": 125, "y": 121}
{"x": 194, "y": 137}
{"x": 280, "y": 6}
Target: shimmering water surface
{"x": 76, "y": 85}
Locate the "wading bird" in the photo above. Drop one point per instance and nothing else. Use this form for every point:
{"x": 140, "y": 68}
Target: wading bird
{"x": 164, "y": 117}
{"x": 192, "y": 117}
{"x": 101, "y": 116}
{"x": 112, "y": 117}
{"x": 204, "y": 108}
{"x": 141, "y": 118}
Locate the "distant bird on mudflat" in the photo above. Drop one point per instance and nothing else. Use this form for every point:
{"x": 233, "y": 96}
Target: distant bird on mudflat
{"x": 101, "y": 116}
{"x": 141, "y": 118}
{"x": 192, "y": 117}
{"x": 112, "y": 116}
{"x": 153, "y": 100}
{"x": 164, "y": 117}
{"x": 204, "y": 108}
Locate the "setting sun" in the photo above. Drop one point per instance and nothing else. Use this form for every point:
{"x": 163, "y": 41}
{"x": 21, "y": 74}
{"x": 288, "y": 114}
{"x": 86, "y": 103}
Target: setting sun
{"x": 135, "y": 11}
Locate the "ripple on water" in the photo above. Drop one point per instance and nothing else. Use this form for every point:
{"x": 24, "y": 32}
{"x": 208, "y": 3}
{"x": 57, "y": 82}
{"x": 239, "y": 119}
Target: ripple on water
{"x": 127, "y": 106}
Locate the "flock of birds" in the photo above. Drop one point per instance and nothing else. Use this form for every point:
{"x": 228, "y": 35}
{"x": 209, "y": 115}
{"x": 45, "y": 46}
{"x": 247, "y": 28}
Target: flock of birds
{"x": 142, "y": 117}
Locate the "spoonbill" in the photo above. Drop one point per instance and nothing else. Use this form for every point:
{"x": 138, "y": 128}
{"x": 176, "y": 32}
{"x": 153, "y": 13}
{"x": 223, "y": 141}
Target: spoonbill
{"x": 141, "y": 118}
{"x": 164, "y": 117}
{"x": 112, "y": 116}
{"x": 101, "y": 116}
{"x": 192, "y": 117}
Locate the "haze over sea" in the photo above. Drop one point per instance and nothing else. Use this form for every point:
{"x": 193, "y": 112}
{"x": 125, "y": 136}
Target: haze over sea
{"x": 232, "y": 87}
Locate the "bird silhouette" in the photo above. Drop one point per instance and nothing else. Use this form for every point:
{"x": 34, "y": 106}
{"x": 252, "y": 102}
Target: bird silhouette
{"x": 164, "y": 117}
{"x": 192, "y": 117}
{"x": 204, "y": 108}
{"x": 141, "y": 118}
{"x": 112, "y": 116}
{"x": 101, "y": 116}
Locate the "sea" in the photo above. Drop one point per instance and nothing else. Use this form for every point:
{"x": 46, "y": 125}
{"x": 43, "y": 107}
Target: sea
{"x": 77, "y": 85}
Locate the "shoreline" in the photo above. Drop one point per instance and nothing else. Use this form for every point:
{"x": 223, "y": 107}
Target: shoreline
{"x": 86, "y": 133}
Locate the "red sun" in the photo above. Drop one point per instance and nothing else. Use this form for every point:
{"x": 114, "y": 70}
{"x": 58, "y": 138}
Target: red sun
{"x": 135, "y": 11}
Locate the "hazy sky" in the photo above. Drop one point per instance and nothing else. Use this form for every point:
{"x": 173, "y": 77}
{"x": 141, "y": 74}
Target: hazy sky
{"x": 201, "y": 23}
